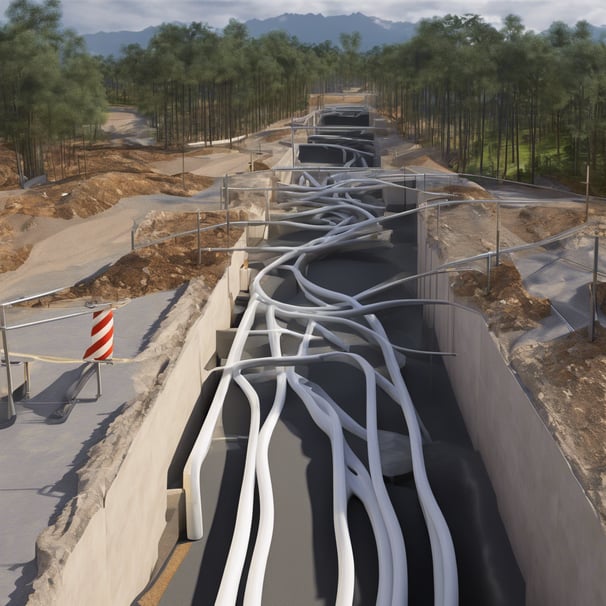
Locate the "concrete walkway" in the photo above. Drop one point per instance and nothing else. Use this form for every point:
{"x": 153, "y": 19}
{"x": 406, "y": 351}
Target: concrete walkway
{"x": 38, "y": 460}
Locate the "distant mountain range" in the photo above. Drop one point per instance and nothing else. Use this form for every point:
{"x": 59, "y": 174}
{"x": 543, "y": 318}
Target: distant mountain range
{"x": 315, "y": 29}
{"x": 309, "y": 29}
{"x": 111, "y": 43}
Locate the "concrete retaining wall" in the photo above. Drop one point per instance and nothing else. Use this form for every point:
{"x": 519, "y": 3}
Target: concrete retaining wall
{"x": 106, "y": 553}
{"x": 556, "y": 534}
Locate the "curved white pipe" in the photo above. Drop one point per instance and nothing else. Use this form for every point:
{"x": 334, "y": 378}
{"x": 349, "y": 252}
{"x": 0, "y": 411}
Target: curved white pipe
{"x": 256, "y": 575}
{"x": 445, "y": 575}
{"x": 228, "y": 589}
{"x": 328, "y": 422}
{"x": 359, "y": 483}
{"x": 193, "y": 465}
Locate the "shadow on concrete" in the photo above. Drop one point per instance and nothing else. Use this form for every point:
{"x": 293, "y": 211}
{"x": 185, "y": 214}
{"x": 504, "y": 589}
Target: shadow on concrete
{"x": 54, "y": 395}
{"x": 23, "y": 585}
{"x": 151, "y": 331}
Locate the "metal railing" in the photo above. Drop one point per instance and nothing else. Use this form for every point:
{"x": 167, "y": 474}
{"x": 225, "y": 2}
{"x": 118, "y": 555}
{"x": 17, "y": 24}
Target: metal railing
{"x": 11, "y": 413}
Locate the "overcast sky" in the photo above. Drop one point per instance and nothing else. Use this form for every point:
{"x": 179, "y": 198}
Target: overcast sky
{"x": 89, "y": 16}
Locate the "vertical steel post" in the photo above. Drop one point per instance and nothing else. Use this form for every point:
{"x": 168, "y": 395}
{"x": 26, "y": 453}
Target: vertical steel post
{"x": 26, "y": 379}
{"x": 438, "y": 207}
{"x": 225, "y": 193}
{"x": 587, "y": 193}
{"x": 99, "y": 390}
{"x": 199, "y": 239}
{"x": 498, "y": 236}
{"x": 488, "y": 269}
{"x": 9, "y": 379}
{"x": 267, "y": 203}
{"x": 292, "y": 139}
{"x": 226, "y": 202}
{"x": 183, "y": 163}
{"x": 594, "y": 288}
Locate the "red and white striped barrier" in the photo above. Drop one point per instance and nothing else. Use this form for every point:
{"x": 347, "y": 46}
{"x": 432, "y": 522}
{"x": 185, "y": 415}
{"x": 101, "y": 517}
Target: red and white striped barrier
{"x": 102, "y": 336}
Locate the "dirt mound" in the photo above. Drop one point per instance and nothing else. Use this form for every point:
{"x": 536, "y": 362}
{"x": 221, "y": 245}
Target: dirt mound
{"x": 507, "y": 305}
{"x": 11, "y": 258}
{"x": 111, "y": 174}
{"x": 568, "y": 378}
{"x": 468, "y": 191}
{"x": 163, "y": 266}
{"x": 420, "y": 157}
{"x": 8, "y": 168}
{"x": 539, "y": 222}
{"x": 84, "y": 198}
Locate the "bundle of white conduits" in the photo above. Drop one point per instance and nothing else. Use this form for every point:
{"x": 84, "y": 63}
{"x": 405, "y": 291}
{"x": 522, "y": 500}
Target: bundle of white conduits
{"x": 347, "y": 223}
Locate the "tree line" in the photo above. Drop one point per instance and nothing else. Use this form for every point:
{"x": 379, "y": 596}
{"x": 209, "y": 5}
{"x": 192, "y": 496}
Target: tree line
{"x": 503, "y": 102}
{"x": 196, "y": 84}
{"x": 509, "y": 103}
{"x": 51, "y": 89}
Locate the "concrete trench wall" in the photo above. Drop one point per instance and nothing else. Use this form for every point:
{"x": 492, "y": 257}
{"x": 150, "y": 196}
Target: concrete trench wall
{"x": 116, "y": 548}
{"x": 556, "y": 534}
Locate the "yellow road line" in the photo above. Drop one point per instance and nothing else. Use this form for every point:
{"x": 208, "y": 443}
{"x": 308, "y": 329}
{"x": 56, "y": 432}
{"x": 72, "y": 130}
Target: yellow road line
{"x": 154, "y": 594}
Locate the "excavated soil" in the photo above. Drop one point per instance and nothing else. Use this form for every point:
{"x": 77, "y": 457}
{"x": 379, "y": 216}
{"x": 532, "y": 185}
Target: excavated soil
{"x": 567, "y": 378}
{"x": 507, "y": 305}
{"x": 163, "y": 266}
{"x": 111, "y": 174}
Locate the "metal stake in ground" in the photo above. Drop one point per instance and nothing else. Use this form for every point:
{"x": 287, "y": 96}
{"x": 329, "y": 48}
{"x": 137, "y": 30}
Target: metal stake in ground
{"x": 594, "y": 288}
{"x": 11, "y": 413}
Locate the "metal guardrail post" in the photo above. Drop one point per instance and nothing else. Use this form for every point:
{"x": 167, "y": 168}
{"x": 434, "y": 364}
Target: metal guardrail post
{"x": 498, "y": 235}
{"x": 9, "y": 379}
{"x": 488, "y": 270}
{"x": 274, "y": 188}
{"x": 26, "y": 371}
{"x": 199, "y": 241}
{"x": 26, "y": 379}
{"x": 99, "y": 389}
{"x": 587, "y": 194}
{"x": 292, "y": 139}
{"x": 224, "y": 192}
{"x": 594, "y": 289}
{"x": 267, "y": 205}
{"x": 438, "y": 222}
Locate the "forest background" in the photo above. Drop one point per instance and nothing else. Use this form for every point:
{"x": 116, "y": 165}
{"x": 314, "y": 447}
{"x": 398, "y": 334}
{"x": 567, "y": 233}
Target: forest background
{"x": 508, "y": 103}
